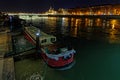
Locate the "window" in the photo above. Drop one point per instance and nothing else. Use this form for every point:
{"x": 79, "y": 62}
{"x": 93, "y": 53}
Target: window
{"x": 52, "y": 39}
{"x": 43, "y": 41}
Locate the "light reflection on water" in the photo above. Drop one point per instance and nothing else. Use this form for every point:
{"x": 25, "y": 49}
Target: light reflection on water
{"x": 77, "y": 27}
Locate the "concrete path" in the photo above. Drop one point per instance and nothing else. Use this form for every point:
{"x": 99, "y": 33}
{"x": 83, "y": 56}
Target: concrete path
{"x": 8, "y": 69}
{"x": 1, "y": 68}
{"x": 6, "y": 64}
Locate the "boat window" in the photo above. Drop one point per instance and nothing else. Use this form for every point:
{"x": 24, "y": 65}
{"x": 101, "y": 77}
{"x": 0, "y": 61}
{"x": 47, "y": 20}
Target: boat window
{"x": 52, "y": 39}
{"x": 43, "y": 41}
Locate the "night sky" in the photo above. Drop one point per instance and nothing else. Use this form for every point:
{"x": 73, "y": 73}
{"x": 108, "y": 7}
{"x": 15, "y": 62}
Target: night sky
{"x": 44, "y": 5}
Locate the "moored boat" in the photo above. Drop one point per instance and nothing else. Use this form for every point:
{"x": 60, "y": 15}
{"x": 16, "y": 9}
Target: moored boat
{"x": 55, "y": 56}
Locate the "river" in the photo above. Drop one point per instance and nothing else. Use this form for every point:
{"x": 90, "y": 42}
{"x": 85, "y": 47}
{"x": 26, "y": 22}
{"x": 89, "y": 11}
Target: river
{"x": 97, "y": 45}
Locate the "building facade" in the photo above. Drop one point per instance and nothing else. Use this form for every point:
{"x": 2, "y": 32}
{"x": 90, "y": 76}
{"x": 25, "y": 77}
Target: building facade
{"x": 97, "y": 10}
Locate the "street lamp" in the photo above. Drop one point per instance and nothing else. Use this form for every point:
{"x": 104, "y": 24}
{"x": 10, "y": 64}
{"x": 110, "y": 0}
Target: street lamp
{"x": 38, "y": 48}
{"x": 11, "y": 21}
{"x": 37, "y": 34}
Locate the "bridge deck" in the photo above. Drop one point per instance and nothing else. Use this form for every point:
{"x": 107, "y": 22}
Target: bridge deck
{"x": 68, "y": 15}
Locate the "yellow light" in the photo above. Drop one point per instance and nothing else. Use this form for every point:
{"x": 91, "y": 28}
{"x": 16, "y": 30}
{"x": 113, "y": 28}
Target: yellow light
{"x": 113, "y": 23}
{"x": 113, "y": 26}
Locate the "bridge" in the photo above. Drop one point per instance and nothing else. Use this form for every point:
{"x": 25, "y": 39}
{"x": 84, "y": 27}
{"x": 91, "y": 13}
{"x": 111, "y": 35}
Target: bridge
{"x": 29, "y": 15}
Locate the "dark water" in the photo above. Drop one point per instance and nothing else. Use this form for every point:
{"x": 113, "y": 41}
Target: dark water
{"x": 96, "y": 41}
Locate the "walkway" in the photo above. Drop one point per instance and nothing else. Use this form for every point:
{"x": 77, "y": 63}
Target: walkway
{"x": 6, "y": 64}
{"x": 8, "y": 69}
{"x": 3, "y": 50}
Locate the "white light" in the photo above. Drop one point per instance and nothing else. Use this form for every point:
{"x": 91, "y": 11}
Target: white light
{"x": 37, "y": 34}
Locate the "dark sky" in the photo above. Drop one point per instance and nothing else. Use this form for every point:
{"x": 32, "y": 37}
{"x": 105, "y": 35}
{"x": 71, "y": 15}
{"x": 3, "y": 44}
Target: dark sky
{"x": 44, "y": 5}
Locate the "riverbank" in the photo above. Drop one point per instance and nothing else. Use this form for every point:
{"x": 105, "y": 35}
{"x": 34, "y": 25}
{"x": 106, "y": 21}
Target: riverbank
{"x": 7, "y": 64}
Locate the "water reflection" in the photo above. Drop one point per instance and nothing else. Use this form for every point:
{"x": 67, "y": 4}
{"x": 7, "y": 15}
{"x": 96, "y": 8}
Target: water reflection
{"x": 98, "y": 22}
{"x": 78, "y": 27}
{"x": 51, "y": 21}
{"x": 114, "y": 38}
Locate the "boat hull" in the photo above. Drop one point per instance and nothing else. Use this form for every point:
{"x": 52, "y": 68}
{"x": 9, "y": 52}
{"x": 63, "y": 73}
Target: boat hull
{"x": 65, "y": 67}
{"x": 29, "y": 37}
{"x": 60, "y": 64}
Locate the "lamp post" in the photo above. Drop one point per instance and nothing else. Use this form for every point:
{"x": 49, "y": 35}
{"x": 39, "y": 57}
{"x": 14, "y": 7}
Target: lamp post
{"x": 38, "y": 46}
{"x": 11, "y": 21}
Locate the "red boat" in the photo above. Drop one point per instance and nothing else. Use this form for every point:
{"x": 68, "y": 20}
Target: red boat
{"x": 61, "y": 58}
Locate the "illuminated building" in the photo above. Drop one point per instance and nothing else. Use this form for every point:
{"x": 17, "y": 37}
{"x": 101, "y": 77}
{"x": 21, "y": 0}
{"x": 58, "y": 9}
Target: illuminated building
{"x": 51, "y": 11}
{"x": 97, "y": 10}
